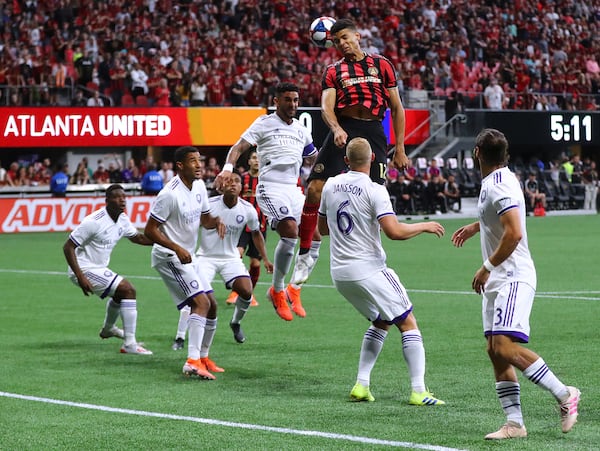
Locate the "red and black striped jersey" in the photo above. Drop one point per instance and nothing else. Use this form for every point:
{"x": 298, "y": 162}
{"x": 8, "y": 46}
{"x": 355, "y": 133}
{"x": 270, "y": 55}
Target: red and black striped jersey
{"x": 249, "y": 193}
{"x": 365, "y": 82}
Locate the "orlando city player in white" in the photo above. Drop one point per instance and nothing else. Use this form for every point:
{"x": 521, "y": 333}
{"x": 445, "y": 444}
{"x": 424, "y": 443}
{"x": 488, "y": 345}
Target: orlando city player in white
{"x": 353, "y": 211}
{"x": 218, "y": 255}
{"x": 175, "y": 218}
{"x": 282, "y": 143}
{"x": 88, "y": 251}
{"x": 507, "y": 281}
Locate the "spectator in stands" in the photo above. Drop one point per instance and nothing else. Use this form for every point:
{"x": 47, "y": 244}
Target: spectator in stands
{"x": 81, "y": 175}
{"x": 139, "y": 81}
{"x": 401, "y": 191}
{"x": 418, "y": 194}
{"x": 21, "y": 179}
{"x": 452, "y": 193}
{"x": 494, "y": 95}
{"x": 433, "y": 170}
{"x": 590, "y": 182}
{"x": 166, "y": 171}
{"x": 152, "y": 181}
{"x": 199, "y": 91}
{"x": 114, "y": 173}
{"x": 95, "y": 100}
{"x": 435, "y": 194}
{"x": 131, "y": 173}
{"x": 237, "y": 92}
{"x": 533, "y": 193}
{"x": 101, "y": 175}
{"x": 60, "y": 181}
{"x": 162, "y": 94}
{"x": 2, "y": 175}
{"x": 79, "y": 99}
{"x": 11, "y": 174}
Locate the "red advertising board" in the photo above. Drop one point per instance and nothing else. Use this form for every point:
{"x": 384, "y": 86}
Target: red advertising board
{"x": 62, "y": 215}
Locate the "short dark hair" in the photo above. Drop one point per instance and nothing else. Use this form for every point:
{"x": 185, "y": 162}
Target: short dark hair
{"x": 183, "y": 151}
{"x": 493, "y": 146}
{"x": 343, "y": 24}
{"x": 285, "y": 87}
{"x": 112, "y": 188}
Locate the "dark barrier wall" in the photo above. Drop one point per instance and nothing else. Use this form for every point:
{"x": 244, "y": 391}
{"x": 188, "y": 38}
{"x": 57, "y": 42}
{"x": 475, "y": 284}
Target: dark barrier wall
{"x": 555, "y": 130}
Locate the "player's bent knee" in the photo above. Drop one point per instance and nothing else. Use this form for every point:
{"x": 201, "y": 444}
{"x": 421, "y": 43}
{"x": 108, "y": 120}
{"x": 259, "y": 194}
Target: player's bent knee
{"x": 125, "y": 290}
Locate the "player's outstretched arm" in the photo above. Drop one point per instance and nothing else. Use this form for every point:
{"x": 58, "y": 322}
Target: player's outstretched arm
{"x": 69, "y": 251}
{"x": 395, "y": 230}
{"x": 464, "y": 233}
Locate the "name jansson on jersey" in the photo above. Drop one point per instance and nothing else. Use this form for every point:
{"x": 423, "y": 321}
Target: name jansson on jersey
{"x": 347, "y": 188}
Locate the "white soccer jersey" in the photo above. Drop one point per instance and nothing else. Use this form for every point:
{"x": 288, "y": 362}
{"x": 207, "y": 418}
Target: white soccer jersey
{"x": 178, "y": 210}
{"x": 280, "y": 147}
{"x": 235, "y": 220}
{"x": 500, "y": 192}
{"x": 353, "y": 205}
{"x": 96, "y": 237}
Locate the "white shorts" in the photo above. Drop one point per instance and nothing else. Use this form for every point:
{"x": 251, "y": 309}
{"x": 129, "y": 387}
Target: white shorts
{"x": 182, "y": 281}
{"x": 279, "y": 201}
{"x": 381, "y": 296}
{"x": 506, "y": 312}
{"x": 104, "y": 281}
{"x": 228, "y": 268}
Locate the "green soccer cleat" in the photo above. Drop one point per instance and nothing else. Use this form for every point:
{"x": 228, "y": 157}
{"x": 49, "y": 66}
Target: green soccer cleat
{"x": 425, "y": 398}
{"x": 361, "y": 393}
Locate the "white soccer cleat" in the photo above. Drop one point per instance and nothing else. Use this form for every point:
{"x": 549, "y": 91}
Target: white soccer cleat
{"x": 135, "y": 348}
{"x": 112, "y": 332}
{"x": 568, "y": 410}
{"x": 302, "y": 269}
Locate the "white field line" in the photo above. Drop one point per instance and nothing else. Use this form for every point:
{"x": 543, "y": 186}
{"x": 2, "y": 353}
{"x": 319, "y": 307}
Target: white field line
{"x": 539, "y": 294}
{"x": 256, "y": 427}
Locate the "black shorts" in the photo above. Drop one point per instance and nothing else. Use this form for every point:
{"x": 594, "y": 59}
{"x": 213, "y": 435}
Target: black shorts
{"x": 330, "y": 160}
{"x": 247, "y": 243}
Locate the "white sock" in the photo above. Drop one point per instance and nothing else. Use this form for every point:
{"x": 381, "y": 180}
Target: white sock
{"x": 539, "y": 373}
{"x": 509, "y": 394}
{"x": 113, "y": 310}
{"x": 241, "y": 307}
{"x": 196, "y": 325}
{"x": 209, "y": 333}
{"x": 371, "y": 347}
{"x": 129, "y": 316}
{"x": 284, "y": 254}
{"x": 414, "y": 355}
{"x": 182, "y": 326}
{"x": 315, "y": 247}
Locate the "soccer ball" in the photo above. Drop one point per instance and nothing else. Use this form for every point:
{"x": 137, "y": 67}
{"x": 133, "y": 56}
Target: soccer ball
{"x": 320, "y": 33}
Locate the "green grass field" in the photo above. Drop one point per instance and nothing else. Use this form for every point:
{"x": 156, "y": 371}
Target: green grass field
{"x": 287, "y": 387}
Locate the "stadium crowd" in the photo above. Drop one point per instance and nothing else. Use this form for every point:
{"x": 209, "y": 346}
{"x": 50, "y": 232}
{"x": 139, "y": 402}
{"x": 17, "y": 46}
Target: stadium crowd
{"x": 544, "y": 54}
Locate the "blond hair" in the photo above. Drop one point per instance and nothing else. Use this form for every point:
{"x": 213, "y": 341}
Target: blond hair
{"x": 358, "y": 152}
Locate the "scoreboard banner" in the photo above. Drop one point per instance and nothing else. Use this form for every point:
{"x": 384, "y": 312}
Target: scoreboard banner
{"x": 134, "y": 127}
{"x": 117, "y": 127}
{"x": 62, "y": 214}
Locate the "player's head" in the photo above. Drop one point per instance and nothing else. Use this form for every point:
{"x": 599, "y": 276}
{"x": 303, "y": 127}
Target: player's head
{"x": 346, "y": 37}
{"x": 253, "y": 162}
{"x": 359, "y": 154}
{"x": 233, "y": 185}
{"x": 188, "y": 163}
{"x": 286, "y": 100}
{"x": 116, "y": 200}
{"x": 491, "y": 147}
